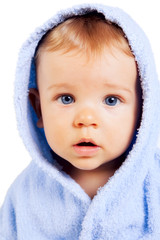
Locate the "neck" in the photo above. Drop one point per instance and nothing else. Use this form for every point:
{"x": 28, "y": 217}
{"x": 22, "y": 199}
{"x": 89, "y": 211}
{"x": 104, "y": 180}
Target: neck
{"x": 91, "y": 180}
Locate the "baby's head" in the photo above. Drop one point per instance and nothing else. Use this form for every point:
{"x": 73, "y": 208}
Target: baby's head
{"x": 88, "y": 97}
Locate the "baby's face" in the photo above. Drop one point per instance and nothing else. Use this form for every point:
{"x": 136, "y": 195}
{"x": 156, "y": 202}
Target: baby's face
{"x": 89, "y": 108}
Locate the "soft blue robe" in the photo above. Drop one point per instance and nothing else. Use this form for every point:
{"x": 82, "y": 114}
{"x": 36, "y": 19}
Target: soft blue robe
{"x": 44, "y": 203}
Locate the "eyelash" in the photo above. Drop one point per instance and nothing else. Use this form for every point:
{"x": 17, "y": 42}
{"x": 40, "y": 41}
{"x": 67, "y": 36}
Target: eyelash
{"x": 67, "y": 99}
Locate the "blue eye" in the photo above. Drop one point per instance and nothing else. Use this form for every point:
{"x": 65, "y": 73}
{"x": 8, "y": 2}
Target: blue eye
{"x": 66, "y": 99}
{"x": 112, "y": 101}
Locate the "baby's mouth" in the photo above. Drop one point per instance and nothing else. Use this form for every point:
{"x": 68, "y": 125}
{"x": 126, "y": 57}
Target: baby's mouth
{"x": 87, "y": 144}
{"x": 86, "y": 147}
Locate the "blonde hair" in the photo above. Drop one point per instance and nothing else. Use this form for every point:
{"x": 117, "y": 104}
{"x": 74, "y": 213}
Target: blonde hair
{"x": 90, "y": 33}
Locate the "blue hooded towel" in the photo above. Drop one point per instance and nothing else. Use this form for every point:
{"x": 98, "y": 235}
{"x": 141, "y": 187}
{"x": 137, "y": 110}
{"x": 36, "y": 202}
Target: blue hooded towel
{"x": 44, "y": 203}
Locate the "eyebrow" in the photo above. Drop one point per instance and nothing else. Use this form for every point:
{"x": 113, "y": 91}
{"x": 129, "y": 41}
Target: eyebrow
{"x": 60, "y": 85}
{"x": 118, "y": 87}
{"x": 67, "y": 85}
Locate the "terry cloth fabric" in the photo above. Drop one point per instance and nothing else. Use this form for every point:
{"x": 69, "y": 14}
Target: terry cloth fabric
{"x": 44, "y": 203}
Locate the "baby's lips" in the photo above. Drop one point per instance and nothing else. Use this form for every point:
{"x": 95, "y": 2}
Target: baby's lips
{"x": 86, "y": 140}
{"x": 86, "y": 147}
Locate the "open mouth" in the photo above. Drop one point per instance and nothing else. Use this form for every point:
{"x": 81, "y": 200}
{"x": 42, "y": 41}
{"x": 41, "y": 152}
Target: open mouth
{"x": 86, "y": 144}
{"x": 86, "y": 148}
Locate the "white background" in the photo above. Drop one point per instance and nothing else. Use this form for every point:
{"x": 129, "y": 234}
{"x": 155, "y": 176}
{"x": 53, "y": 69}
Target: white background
{"x": 18, "y": 19}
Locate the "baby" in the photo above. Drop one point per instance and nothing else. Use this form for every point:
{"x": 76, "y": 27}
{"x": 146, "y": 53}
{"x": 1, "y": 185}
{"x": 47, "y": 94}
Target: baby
{"x": 88, "y": 97}
{"x": 90, "y": 122}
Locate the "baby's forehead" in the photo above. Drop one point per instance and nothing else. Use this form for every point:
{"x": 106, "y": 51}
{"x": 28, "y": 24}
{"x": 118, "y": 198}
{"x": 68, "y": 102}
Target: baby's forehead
{"x": 85, "y": 57}
{"x": 114, "y": 67}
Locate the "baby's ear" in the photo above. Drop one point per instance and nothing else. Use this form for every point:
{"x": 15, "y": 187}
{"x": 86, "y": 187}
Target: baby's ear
{"x": 34, "y": 99}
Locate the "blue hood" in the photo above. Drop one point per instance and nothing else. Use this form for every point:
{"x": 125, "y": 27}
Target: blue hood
{"x": 146, "y": 143}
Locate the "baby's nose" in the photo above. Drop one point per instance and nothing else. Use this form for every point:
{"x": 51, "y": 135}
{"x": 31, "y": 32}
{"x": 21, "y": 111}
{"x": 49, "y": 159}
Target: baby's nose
{"x": 85, "y": 118}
